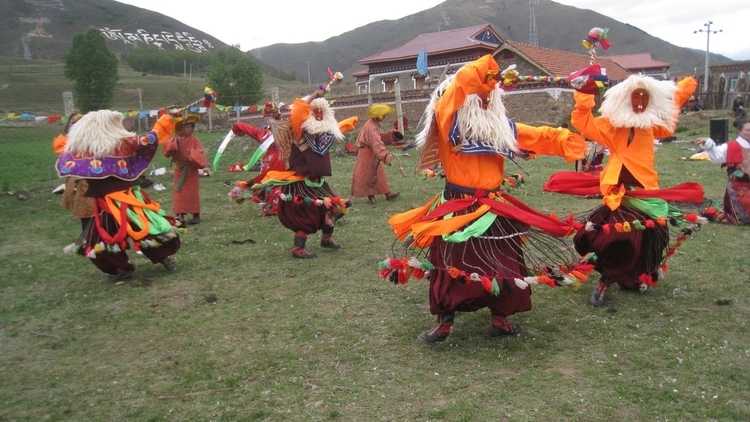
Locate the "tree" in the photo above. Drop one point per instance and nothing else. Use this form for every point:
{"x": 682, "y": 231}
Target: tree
{"x": 236, "y": 77}
{"x": 93, "y": 68}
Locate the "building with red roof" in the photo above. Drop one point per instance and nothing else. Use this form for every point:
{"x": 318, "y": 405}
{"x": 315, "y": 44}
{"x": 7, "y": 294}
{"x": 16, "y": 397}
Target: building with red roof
{"x": 644, "y": 64}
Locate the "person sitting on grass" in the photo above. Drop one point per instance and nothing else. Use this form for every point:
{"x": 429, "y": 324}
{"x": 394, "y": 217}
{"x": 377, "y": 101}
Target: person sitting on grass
{"x": 735, "y": 157}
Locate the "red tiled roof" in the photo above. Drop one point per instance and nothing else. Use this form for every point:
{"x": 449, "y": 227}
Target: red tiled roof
{"x": 435, "y": 43}
{"x": 638, "y": 61}
{"x": 560, "y": 63}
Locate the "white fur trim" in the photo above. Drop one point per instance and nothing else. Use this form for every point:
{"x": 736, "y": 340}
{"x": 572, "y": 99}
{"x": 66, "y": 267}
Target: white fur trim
{"x": 520, "y": 283}
{"x": 660, "y": 111}
{"x": 97, "y": 133}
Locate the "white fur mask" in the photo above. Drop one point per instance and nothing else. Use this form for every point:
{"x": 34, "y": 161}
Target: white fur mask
{"x": 660, "y": 111}
{"x": 327, "y": 125}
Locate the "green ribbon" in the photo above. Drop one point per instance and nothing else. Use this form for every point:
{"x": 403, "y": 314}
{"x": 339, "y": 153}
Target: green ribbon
{"x": 653, "y": 207}
{"x": 183, "y": 176}
{"x": 158, "y": 224}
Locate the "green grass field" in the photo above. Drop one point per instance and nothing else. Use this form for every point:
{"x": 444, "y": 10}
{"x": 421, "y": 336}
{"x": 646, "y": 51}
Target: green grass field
{"x": 242, "y": 332}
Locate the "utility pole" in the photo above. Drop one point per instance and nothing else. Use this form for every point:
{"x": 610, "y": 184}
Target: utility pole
{"x": 308, "y": 73}
{"x": 708, "y": 32}
{"x": 140, "y": 102}
{"x": 533, "y": 37}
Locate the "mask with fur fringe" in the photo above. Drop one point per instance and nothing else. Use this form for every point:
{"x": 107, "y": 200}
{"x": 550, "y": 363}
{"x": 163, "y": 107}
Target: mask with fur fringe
{"x": 98, "y": 133}
{"x": 490, "y": 127}
{"x": 327, "y": 125}
{"x": 661, "y": 110}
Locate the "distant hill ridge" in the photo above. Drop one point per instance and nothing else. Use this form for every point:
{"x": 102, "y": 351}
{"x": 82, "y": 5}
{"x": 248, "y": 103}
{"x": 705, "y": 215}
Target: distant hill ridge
{"x": 559, "y": 26}
{"x": 43, "y": 29}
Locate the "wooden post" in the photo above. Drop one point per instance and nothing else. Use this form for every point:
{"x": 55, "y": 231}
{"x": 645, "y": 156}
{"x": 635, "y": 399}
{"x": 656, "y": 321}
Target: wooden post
{"x": 399, "y": 113}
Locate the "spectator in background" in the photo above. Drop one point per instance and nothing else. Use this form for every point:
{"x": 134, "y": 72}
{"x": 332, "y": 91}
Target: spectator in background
{"x": 369, "y": 178}
{"x": 692, "y": 104}
{"x": 271, "y": 111}
{"x": 189, "y": 157}
{"x": 738, "y": 108}
{"x": 74, "y": 196}
{"x": 735, "y": 156}
{"x": 404, "y": 120}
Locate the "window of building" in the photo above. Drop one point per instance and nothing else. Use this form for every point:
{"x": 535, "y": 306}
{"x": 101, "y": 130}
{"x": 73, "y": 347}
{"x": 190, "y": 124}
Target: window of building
{"x": 418, "y": 81}
{"x": 733, "y": 82}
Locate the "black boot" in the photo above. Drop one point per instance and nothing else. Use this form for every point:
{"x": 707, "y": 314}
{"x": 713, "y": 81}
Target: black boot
{"x": 600, "y": 292}
{"x": 500, "y": 326}
{"x": 439, "y": 332}
{"x": 299, "y": 247}
{"x": 327, "y": 241}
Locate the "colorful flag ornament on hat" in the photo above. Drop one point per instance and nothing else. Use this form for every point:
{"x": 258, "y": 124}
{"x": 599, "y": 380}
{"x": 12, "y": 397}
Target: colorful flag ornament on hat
{"x": 209, "y": 97}
{"x": 589, "y": 80}
{"x": 336, "y": 77}
{"x": 597, "y": 36}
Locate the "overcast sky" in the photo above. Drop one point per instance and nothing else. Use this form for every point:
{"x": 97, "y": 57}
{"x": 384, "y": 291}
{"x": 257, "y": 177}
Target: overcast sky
{"x": 297, "y": 21}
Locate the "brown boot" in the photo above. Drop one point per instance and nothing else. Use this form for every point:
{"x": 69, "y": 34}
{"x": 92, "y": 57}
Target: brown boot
{"x": 439, "y": 332}
{"x": 500, "y": 326}
{"x": 298, "y": 251}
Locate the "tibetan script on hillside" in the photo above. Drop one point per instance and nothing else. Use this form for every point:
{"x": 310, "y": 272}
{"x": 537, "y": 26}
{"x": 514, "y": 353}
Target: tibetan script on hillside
{"x": 184, "y": 41}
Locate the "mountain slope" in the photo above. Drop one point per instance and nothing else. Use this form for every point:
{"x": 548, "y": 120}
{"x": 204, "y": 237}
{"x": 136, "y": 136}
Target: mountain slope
{"x": 559, "y": 26}
{"x": 43, "y": 29}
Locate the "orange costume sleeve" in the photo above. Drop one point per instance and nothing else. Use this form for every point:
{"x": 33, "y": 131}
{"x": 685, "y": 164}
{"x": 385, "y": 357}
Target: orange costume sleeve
{"x": 164, "y": 127}
{"x": 58, "y": 144}
{"x": 300, "y": 112}
{"x": 348, "y": 125}
{"x": 551, "y": 141}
